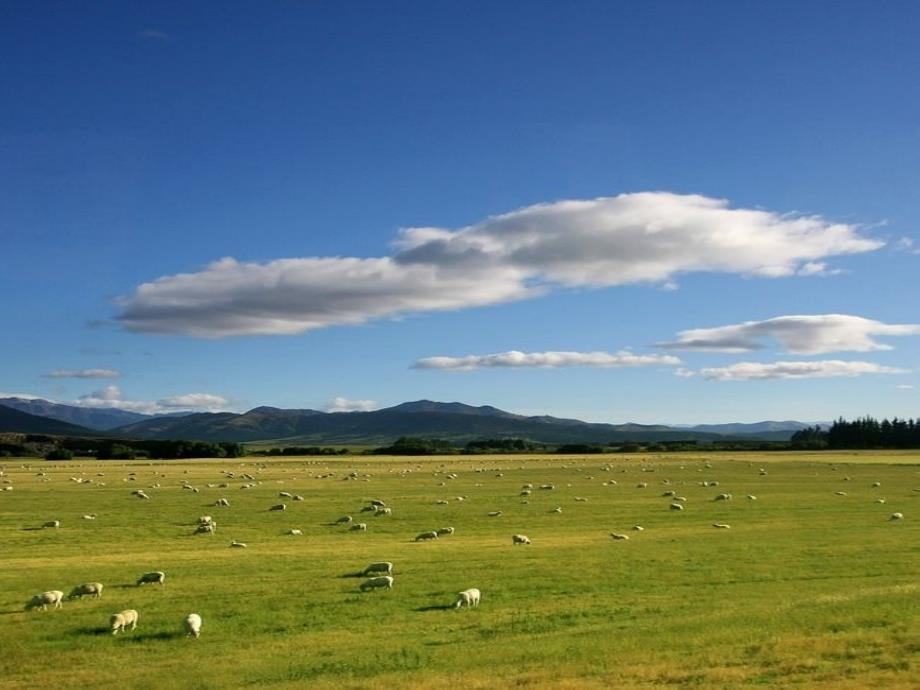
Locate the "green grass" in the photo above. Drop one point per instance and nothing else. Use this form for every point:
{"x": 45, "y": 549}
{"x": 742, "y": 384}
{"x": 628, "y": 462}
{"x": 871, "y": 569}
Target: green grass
{"x": 807, "y": 589}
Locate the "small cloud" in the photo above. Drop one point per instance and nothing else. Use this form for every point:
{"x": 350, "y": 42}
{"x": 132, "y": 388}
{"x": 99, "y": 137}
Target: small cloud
{"x": 345, "y": 405}
{"x": 907, "y": 245}
{"x": 194, "y": 401}
{"x": 21, "y": 396}
{"x": 817, "y": 268}
{"x": 905, "y": 387}
{"x": 153, "y": 35}
{"x": 684, "y": 373}
{"x": 761, "y": 371}
{"x": 83, "y": 374}
{"x": 544, "y": 360}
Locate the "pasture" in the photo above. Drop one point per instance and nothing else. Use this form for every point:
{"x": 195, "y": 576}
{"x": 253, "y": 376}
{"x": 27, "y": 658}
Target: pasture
{"x": 808, "y": 587}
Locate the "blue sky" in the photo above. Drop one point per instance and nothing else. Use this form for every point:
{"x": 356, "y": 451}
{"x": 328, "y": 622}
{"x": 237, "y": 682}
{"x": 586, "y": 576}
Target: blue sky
{"x": 143, "y": 141}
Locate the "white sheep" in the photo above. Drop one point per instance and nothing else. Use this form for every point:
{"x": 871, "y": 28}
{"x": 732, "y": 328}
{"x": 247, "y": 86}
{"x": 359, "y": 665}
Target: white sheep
{"x": 359, "y": 527}
{"x": 280, "y": 506}
{"x": 557, "y": 509}
{"x": 295, "y": 532}
{"x": 380, "y": 582}
{"x": 89, "y": 516}
{"x": 93, "y": 589}
{"x": 383, "y": 511}
{"x": 721, "y": 525}
{"x": 51, "y": 524}
{"x": 222, "y": 503}
{"x": 676, "y": 506}
{"x": 285, "y": 494}
{"x": 206, "y": 528}
{"x": 519, "y": 539}
{"x": 638, "y": 528}
{"x": 445, "y": 531}
{"x": 426, "y": 536}
{"x": 897, "y": 516}
{"x": 41, "y": 601}
{"x": 120, "y": 621}
{"x": 619, "y": 537}
{"x": 156, "y": 577}
{"x": 384, "y": 567}
{"x": 344, "y": 520}
{"x": 298, "y": 497}
{"x": 495, "y": 513}
{"x": 205, "y": 520}
{"x": 468, "y": 598}
{"x": 723, "y": 497}
{"x": 192, "y": 625}
{"x": 752, "y": 497}
{"x": 237, "y": 544}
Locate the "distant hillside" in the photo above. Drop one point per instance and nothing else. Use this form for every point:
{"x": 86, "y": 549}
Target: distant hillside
{"x": 92, "y": 418}
{"x": 24, "y": 423}
{"x": 768, "y": 427}
{"x": 450, "y": 421}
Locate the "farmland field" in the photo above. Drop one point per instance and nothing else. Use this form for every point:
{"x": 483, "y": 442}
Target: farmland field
{"x": 808, "y": 588}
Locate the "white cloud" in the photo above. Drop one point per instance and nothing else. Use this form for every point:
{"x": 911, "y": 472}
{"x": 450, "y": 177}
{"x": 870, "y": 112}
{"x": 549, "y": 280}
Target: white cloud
{"x": 760, "y": 371}
{"x": 21, "y": 396}
{"x": 648, "y": 237}
{"x": 518, "y": 360}
{"x": 111, "y": 396}
{"x": 803, "y": 335}
{"x": 906, "y": 244}
{"x": 194, "y": 401}
{"x": 83, "y": 374}
{"x": 905, "y": 387}
{"x": 345, "y": 405}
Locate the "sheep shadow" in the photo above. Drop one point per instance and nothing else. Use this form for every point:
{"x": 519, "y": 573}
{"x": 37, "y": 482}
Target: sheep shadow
{"x": 93, "y": 631}
{"x": 435, "y": 607}
{"x": 359, "y": 573}
{"x": 32, "y": 529}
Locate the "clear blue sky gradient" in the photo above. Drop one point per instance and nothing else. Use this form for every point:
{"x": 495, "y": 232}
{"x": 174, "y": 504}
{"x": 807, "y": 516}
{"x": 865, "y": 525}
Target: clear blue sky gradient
{"x": 139, "y": 140}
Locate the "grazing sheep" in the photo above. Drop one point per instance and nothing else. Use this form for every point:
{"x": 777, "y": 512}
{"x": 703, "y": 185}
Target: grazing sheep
{"x": 222, "y": 503}
{"x": 383, "y": 511}
{"x": 444, "y": 531}
{"x": 359, "y": 527}
{"x": 876, "y": 485}
{"x": 155, "y": 578}
{"x": 285, "y": 494}
{"x": 140, "y": 494}
{"x": 344, "y": 520}
{"x": 468, "y": 598}
{"x": 120, "y": 621}
{"x": 93, "y": 589}
{"x": 376, "y": 503}
{"x": 520, "y": 539}
{"x": 676, "y": 506}
{"x": 295, "y": 532}
{"x": 841, "y": 493}
{"x": 669, "y": 493}
{"x": 525, "y": 492}
{"x": 752, "y": 497}
{"x": 206, "y": 528}
{"x": 557, "y": 509}
{"x": 52, "y": 524}
{"x": 205, "y": 520}
{"x": 641, "y": 485}
{"x": 426, "y": 536}
{"x": 723, "y": 497}
{"x": 298, "y": 497}
{"x": 280, "y": 506}
{"x": 638, "y": 528}
{"x": 192, "y": 625}
{"x": 384, "y": 567}
{"x": 495, "y": 513}
{"x": 90, "y": 516}
{"x": 442, "y": 503}
{"x": 897, "y": 516}
{"x": 547, "y": 487}
{"x": 580, "y": 499}
{"x": 43, "y": 600}
{"x": 721, "y": 525}
{"x": 237, "y": 544}
{"x": 619, "y": 537}
{"x": 381, "y": 582}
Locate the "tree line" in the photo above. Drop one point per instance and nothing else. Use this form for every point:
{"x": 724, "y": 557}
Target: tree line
{"x": 861, "y": 433}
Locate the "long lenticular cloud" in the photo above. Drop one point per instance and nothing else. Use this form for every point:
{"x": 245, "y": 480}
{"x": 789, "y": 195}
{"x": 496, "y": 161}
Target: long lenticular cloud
{"x": 648, "y": 237}
{"x": 544, "y": 360}
{"x": 762, "y": 371}
{"x": 802, "y": 335}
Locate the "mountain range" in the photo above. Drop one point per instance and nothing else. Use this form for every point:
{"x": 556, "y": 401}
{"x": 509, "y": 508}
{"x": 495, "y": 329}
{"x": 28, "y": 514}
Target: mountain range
{"x": 454, "y": 421}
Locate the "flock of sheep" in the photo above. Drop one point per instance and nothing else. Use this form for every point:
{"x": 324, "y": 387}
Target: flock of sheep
{"x": 118, "y": 622}
{"x": 379, "y": 575}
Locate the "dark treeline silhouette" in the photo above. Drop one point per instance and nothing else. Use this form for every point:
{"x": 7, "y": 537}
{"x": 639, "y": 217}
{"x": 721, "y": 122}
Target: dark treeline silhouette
{"x": 865, "y": 432}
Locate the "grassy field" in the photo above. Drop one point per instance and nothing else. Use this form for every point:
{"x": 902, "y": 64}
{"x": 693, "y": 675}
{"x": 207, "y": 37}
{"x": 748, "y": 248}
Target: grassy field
{"x": 807, "y": 589}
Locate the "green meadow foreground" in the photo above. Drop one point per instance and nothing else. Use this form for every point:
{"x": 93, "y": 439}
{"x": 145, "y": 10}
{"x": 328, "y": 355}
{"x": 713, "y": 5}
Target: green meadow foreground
{"x": 808, "y": 588}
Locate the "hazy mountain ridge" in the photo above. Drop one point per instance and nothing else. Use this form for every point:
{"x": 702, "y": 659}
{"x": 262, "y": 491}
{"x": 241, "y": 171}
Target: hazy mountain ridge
{"x": 25, "y": 423}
